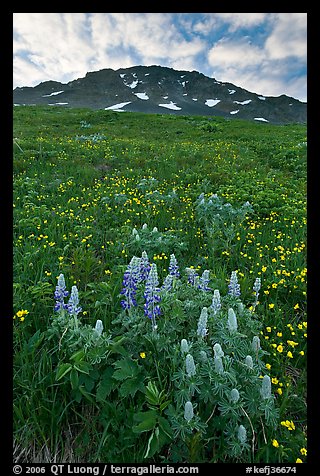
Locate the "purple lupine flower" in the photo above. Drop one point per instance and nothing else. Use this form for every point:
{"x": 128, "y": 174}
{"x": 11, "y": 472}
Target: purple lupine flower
{"x": 167, "y": 283}
{"x": 73, "y": 304}
{"x": 234, "y": 287}
{"x": 152, "y": 297}
{"x": 193, "y": 276}
{"x": 173, "y": 267}
{"x": 204, "y": 281}
{"x": 144, "y": 266}
{"x": 60, "y": 293}
{"x": 130, "y": 282}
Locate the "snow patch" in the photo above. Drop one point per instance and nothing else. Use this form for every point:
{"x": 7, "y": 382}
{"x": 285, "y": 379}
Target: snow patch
{"x": 58, "y": 104}
{"x": 118, "y": 106}
{"x": 212, "y": 102}
{"x": 142, "y": 95}
{"x": 171, "y": 105}
{"x": 262, "y": 98}
{"x": 260, "y": 119}
{"x": 194, "y": 99}
{"x": 231, "y": 91}
{"x": 247, "y": 101}
{"x": 52, "y": 94}
{"x": 234, "y": 112}
{"x": 133, "y": 85}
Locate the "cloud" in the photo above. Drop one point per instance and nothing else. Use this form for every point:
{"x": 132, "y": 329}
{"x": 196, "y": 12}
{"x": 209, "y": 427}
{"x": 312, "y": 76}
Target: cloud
{"x": 289, "y": 36}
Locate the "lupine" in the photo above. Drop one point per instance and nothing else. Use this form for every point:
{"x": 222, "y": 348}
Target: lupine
{"x": 188, "y": 411}
{"x": 73, "y": 304}
{"x": 144, "y": 266}
{"x": 130, "y": 282}
{"x": 99, "y": 327}
{"x": 218, "y": 352}
{"x": 266, "y": 387}
{"x": 242, "y": 434}
{"x": 218, "y": 365}
{"x": 173, "y": 267}
{"x": 248, "y": 361}
{"x": 184, "y": 346}
{"x": 256, "y": 288}
{"x": 193, "y": 276}
{"x": 203, "y": 356}
{"x": 190, "y": 366}
{"x": 234, "y": 287}
{"x": 216, "y": 302}
{"x": 202, "y": 323}
{"x": 204, "y": 281}
{"x": 234, "y": 395}
{"x": 60, "y": 294}
{"x": 255, "y": 343}
{"x": 232, "y": 321}
{"x": 152, "y": 297}
{"x": 167, "y": 283}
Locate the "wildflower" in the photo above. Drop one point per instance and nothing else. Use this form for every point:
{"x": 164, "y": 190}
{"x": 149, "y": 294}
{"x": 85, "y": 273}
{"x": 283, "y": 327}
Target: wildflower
{"x": 216, "y": 303}
{"x": 218, "y": 352}
{"x": 21, "y": 314}
{"x": 289, "y": 354}
{"x": 248, "y": 361}
{"x": 99, "y": 327}
{"x": 234, "y": 395}
{"x": 279, "y": 390}
{"x": 288, "y": 424}
{"x": 280, "y": 348}
{"x": 167, "y": 283}
{"x": 72, "y": 305}
{"x": 184, "y": 346}
{"x": 234, "y": 287}
{"x": 173, "y": 267}
{"x": 268, "y": 366}
{"x": 130, "y": 281}
{"x": 255, "y": 343}
{"x": 60, "y": 293}
{"x": 303, "y": 451}
{"x": 298, "y": 460}
{"x": 142, "y": 355}
{"x": 266, "y": 387}
{"x": 218, "y": 365}
{"x": 188, "y": 411}
{"x": 271, "y": 306}
{"x": 256, "y": 288}
{"x": 202, "y": 323}
{"x": 232, "y": 321}
{"x": 242, "y": 434}
{"x": 190, "y": 366}
{"x": 193, "y": 276}
{"x": 275, "y": 443}
{"x": 204, "y": 281}
{"x": 151, "y": 295}
{"x": 144, "y": 266}
{"x": 203, "y": 356}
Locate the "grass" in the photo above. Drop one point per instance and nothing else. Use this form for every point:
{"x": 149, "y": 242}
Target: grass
{"x": 83, "y": 181}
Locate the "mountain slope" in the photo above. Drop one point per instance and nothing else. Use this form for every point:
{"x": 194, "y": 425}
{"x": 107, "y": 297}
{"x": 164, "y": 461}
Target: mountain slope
{"x": 157, "y": 89}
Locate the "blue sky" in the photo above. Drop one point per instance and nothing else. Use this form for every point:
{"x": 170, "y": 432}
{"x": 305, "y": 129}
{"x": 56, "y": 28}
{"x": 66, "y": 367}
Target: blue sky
{"x": 265, "y": 53}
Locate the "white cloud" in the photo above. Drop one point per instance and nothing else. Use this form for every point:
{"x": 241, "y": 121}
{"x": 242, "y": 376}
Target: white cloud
{"x": 289, "y": 36}
{"x": 235, "y": 53}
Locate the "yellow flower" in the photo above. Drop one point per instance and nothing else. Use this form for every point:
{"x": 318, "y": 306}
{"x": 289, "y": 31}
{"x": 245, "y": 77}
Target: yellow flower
{"x": 268, "y": 366}
{"x": 280, "y": 348}
{"x": 296, "y": 306}
{"x": 142, "y": 355}
{"x": 303, "y": 451}
{"x": 271, "y": 306}
{"x": 274, "y": 380}
{"x": 279, "y": 391}
{"x": 268, "y": 329}
{"x": 289, "y": 354}
{"x": 275, "y": 443}
{"x": 298, "y": 460}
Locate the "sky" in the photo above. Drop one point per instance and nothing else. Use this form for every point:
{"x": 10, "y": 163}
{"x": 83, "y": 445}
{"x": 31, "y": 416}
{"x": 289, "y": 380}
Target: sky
{"x": 265, "y": 53}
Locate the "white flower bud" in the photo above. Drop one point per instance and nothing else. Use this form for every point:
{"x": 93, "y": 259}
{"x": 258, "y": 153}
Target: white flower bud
{"x": 190, "y": 366}
{"x": 99, "y": 327}
{"x": 188, "y": 411}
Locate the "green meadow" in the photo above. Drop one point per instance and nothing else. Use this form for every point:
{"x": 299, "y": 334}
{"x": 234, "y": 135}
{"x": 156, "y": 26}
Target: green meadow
{"x": 176, "y": 332}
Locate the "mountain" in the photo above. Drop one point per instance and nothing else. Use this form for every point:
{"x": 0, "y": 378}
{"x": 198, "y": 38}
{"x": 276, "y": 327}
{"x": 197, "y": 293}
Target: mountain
{"x": 157, "y": 89}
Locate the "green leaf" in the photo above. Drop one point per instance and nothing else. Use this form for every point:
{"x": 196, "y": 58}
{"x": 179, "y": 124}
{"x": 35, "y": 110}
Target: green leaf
{"x": 125, "y": 369}
{"x": 86, "y": 394}
{"x": 77, "y": 356}
{"x": 147, "y": 419}
{"x": 74, "y": 379}
{"x": 83, "y": 367}
{"x": 131, "y": 386}
{"x": 105, "y": 385}
{"x": 63, "y": 369}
